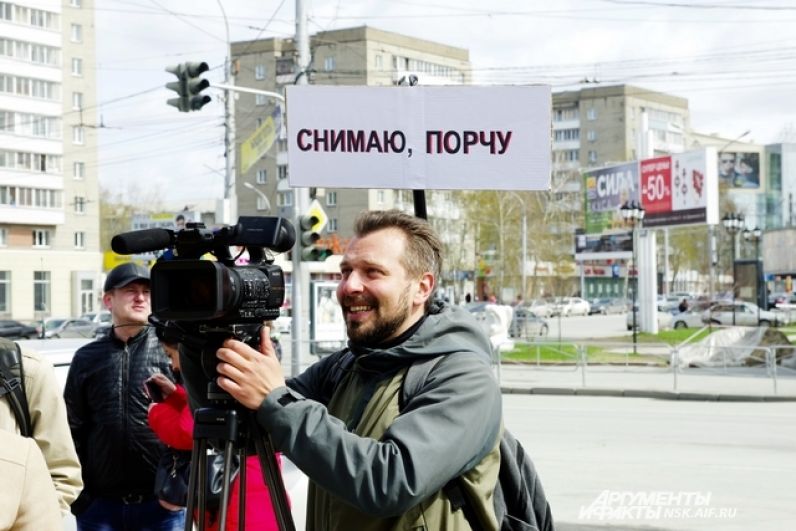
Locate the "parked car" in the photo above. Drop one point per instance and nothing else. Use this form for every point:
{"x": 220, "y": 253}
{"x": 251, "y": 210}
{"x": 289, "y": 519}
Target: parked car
{"x": 693, "y": 317}
{"x": 59, "y": 327}
{"x": 606, "y": 306}
{"x": 664, "y": 319}
{"x": 526, "y": 324}
{"x": 746, "y": 314}
{"x": 566, "y": 306}
{"x": 16, "y": 330}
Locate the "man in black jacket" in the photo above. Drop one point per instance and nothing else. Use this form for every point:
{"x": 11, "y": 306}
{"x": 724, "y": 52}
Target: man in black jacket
{"x": 107, "y": 409}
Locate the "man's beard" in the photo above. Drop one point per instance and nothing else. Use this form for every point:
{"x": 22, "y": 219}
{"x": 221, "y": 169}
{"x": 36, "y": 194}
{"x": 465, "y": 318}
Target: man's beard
{"x": 383, "y": 327}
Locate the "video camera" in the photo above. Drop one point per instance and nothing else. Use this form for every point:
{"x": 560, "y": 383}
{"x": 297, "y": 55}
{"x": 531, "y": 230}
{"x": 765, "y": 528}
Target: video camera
{"x": 200, "y": 303}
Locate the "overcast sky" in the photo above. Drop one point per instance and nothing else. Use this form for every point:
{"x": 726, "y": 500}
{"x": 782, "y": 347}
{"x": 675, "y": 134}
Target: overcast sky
{"x": 735, "y": 61}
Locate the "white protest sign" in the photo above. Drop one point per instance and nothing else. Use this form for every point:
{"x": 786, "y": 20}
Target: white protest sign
{"x": 457, "y": 137}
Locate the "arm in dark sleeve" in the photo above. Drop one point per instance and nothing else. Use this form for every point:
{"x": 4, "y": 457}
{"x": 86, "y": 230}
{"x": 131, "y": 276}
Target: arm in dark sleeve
{"x": 76, "y": 410}
{"x": 442, "y": 432}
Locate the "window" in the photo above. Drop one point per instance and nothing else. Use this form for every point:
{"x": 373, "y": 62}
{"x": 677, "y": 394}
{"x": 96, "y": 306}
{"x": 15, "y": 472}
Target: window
{"x": 41, "y": 291}
{"x": 591, "y": 114}
{"x": 78, "y": 135}
{"x": 80, "y": 240}
{"x": 41, "y": 238}
{"x": 259, "y": 72}
{"x": 5, "y": 291}
{"x": 80, "y": 204}
{"x": 591, "y": 135}
{"x": 281, "y": 171}
{"x": 3, "y": 237}
{"x": 261, "y": 203}
{"x": 76, "y": 33}
{"x": 260, "y": 176}
{"x": 79, "y": 170}
{"x": 328, "y": 64}
{"x": 592, "y": 156}
{"x": 378, "y": 63}
{"x": 331, "y": 198}
{"x": 76, "y": 3}
{"x": 380, "y": 197}
{"x": 77, "y": 66}
{"x": 260, "y": 99}
{"x": 77, "y": 100}
{"x": 284, "y": 199}
{"x": 332, "y": 227}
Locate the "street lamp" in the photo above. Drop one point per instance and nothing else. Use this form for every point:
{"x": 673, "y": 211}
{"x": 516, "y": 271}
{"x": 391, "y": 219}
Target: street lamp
{"x": 754, "y": 235}
{"x": 260, "y": 193}
{"x": 633, "y": 214}
{"x": 732, "y": 224}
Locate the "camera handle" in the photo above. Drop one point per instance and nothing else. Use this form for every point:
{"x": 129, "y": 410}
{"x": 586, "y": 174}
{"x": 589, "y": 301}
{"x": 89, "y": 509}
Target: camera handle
{"x": 225, "y": 425}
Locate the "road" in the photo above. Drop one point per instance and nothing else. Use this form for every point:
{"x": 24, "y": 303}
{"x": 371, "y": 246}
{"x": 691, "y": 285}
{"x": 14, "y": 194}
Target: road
{"x": 739, "y": 457}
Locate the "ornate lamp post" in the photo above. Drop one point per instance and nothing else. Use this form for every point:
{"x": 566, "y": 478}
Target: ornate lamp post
{"x": 754, "y": 235}
{"x": 633, "y": 214}
{"x": 732, "y": 222}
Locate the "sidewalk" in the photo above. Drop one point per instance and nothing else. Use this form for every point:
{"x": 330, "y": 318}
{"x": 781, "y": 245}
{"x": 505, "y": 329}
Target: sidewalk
{"x": 732, "y": 384}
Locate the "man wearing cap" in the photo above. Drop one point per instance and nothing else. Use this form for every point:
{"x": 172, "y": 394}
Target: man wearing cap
{"x": 107, "y": 409}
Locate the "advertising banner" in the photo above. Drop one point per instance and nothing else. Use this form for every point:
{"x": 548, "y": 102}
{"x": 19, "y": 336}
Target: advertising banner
{"x": 617, "y": 246}
{"x": 607, "y": 189}
{"x": 680, "y": 189}
{"x": 739, "y": 170}
{"x": 445, "y": 137}
{"x": 327, "y": 324}
{"x": 253, "y": 148}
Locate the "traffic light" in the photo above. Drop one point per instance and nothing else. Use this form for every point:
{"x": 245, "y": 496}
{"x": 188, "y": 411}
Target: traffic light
{"x": 188, "y": 86}
{"x": 308, "y": 239}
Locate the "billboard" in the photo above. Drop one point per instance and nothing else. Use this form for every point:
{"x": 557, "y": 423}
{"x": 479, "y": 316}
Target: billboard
{"x": 680, "y": 189}
{"x": 739, "y": 170}
{"x": 607, "y": 189}
{"x": 616, "y": 246}
{"x": 442, "y": 138}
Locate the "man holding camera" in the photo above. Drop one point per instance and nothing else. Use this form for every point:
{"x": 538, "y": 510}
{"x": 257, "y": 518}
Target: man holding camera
{"x": 107, "y": 409}
{"x": 374, "y": 462}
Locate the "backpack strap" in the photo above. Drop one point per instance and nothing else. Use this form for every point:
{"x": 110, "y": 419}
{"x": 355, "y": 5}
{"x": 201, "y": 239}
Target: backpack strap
{"x": 12, "y": 384}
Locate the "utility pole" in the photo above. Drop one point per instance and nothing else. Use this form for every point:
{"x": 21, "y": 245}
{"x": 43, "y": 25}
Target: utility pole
{"x": 300, "y": 276}
{"x": 229, "y": 128}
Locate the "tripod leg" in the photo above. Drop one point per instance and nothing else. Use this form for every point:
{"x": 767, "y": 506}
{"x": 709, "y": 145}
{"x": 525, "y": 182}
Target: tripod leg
{"x": 196, "y": 476}
{"x": 228, "y": 451}
{"x": 242, "y": 490}
{"x": 273, "y": 479}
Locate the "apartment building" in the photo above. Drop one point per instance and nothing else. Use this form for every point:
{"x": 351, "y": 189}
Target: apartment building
{"x": 49, "y": 223}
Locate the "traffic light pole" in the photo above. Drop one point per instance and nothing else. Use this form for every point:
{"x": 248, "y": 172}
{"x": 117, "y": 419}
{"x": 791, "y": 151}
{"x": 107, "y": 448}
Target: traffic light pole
{"x": 300, "y": 279}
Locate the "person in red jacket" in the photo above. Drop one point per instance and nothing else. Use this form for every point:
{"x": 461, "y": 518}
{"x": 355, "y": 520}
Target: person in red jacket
{"x": 172, "y": 422}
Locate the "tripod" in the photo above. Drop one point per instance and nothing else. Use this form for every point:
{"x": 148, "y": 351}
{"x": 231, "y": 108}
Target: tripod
{"x": 228, "y": 427}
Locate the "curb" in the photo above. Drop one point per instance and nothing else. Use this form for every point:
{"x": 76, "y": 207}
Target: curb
{"x": 640, "y": 393}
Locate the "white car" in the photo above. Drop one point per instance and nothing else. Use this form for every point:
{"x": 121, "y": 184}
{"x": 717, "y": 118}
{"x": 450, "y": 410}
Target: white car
{"x": 664, "y": 320}
{"x": 573, "y": 306}
{"x": 746, "y": 314}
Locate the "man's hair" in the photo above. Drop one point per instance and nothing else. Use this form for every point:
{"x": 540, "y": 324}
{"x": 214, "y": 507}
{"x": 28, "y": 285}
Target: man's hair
{"x": 423, "y": 246}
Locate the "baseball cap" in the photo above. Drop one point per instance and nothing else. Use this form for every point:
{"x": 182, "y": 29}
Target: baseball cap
{"x": 123, "y": 274}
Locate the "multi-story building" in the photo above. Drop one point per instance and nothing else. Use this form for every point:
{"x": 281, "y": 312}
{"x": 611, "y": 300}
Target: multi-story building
{"x": 49, "y": 223}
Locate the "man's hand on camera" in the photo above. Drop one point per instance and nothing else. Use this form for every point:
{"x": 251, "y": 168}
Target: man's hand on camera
{"x": 246, "y": 374}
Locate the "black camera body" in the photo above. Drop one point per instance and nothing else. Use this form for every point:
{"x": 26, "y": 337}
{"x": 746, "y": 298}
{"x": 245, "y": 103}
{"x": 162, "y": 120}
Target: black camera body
{"x": 199, "y": 303}
{"x": 203, "y": 290}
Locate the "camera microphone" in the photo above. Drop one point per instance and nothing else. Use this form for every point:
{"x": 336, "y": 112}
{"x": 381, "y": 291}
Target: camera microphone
{"x": 142, "y": 241}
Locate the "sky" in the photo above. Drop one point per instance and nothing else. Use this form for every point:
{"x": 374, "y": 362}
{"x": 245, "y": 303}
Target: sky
{"x": 734, "y": 60}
